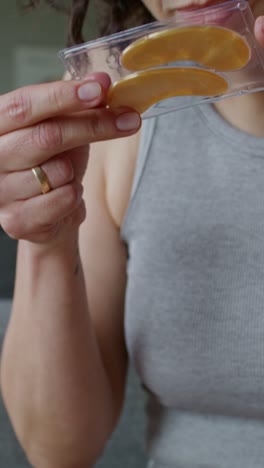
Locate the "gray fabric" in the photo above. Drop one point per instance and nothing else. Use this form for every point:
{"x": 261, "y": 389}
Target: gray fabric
{"x": 195, "y": 297}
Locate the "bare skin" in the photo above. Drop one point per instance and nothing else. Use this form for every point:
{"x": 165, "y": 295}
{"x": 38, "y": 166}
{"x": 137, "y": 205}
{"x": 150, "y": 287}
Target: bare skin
{"x": 64, "y": 361}
{"x": 73, "y": 372}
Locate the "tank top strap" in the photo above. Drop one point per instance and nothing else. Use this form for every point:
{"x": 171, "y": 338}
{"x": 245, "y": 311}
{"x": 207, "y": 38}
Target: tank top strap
{"x": 147, "y": 131}
{"x": 146, "y": 136}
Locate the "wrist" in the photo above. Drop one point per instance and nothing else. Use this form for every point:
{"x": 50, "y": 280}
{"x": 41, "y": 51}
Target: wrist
{"x": 48, "y": 267}
{"x": 64, "y": 249}
{"x": 58, "y": 237}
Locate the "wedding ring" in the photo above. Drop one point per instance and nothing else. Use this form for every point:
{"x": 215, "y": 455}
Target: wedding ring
{"x": 42, "y": 179}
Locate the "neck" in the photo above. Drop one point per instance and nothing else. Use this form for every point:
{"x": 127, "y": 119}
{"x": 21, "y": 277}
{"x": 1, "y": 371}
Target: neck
{"x": 244, "y": 112}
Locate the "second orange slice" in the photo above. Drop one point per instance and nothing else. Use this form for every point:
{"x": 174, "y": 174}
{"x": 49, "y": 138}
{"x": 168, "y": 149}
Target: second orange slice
{"x": 142, "y": 90}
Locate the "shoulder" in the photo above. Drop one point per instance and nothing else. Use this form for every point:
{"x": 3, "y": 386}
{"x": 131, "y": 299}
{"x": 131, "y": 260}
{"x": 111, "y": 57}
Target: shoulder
{"x": 116, "y": 161}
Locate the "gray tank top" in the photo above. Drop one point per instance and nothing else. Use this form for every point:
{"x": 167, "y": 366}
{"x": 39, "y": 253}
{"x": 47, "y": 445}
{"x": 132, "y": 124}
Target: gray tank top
{"x": 194, "y": 319}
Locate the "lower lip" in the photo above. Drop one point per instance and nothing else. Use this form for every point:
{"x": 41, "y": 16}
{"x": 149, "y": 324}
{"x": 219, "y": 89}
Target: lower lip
{"x": 204, "y": 14}
{"x": 194, "y": 7}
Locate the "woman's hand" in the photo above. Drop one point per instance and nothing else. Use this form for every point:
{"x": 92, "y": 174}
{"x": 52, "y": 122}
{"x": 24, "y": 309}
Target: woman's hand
{"x": 50, "y": 126}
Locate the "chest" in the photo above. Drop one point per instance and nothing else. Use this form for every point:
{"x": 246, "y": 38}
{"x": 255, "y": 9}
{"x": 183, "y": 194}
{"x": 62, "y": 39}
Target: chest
{"x": 195, "y": 296}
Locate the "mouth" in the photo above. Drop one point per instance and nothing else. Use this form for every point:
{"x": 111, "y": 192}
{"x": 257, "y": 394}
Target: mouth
{"x": 173, "y": 6}
{"x": 200, "y": 11}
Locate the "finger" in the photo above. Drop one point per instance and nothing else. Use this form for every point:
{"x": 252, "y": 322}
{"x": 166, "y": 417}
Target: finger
{"x": 104, "y": 78}
{"x": 105, "y": 82}
{"x": 79, "y": 160}
{"x": 40, "y": 213}
{"x": 75, "y": 218}
{"x": 23, "y": 185}
{"x": 31, "y": 104}
{"x": 30, "y": 147}
{"x": 259, "y": 30}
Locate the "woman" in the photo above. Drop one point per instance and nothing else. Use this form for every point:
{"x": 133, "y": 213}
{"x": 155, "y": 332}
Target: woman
{"x": 179, "y": 207}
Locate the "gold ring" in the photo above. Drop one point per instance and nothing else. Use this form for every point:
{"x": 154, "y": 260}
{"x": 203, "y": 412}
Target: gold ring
{"x": 42, "y": 179}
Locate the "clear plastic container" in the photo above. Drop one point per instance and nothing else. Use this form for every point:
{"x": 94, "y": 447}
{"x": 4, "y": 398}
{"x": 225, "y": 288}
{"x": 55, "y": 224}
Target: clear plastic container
{"x": 208, "y": 54}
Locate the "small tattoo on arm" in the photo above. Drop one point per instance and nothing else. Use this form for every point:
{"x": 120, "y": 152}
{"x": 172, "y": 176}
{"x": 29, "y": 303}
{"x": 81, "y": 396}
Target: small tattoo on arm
{"x": 77, "y": 265}
{"x": 77, "y": 269}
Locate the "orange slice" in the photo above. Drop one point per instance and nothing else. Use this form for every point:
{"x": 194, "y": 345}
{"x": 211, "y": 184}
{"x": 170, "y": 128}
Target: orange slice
{"x": 212, "y": 46}
{"x": 141, "y": 90}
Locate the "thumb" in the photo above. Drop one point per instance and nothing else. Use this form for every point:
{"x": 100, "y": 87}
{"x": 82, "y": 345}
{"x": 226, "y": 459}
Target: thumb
{"x": 259, "y": 30}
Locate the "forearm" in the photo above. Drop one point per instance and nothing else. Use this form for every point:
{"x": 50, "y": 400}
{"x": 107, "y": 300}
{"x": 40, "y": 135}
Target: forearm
{"x": 53, "y": 380}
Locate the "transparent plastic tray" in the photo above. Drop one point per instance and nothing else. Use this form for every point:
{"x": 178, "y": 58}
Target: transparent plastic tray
{"x": 208, "y": 54}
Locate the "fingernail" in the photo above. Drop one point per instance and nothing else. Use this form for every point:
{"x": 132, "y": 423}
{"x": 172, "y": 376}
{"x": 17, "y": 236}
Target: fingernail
{"x": 128, "y": 121}
{"x": 89, "y": 91}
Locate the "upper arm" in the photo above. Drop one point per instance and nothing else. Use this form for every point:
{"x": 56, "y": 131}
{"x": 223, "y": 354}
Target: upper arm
{"x": 104, "y": 259}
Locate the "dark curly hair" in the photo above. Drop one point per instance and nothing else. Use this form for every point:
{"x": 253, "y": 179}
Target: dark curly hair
{"x": 112, "y": 15}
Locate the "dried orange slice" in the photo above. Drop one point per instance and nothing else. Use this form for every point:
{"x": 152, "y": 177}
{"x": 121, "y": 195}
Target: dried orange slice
{"x": 212, "y": 46}
{"x": 143, "y": 89}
